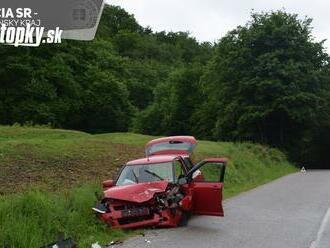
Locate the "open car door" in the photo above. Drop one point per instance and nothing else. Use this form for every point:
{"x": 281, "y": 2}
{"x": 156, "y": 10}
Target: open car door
{"x": 208, "y": 189}
{"x": 177, "y": 145}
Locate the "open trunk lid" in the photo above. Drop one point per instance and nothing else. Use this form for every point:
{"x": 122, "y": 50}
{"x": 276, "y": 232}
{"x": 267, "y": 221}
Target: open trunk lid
{"x": 174, "y": 145}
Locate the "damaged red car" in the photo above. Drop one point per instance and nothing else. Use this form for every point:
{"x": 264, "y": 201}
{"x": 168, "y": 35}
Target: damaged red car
{"x": 165, "y": 188}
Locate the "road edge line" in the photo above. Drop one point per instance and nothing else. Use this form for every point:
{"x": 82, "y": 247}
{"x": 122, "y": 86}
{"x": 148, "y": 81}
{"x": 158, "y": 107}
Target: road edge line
{"x": 324, "y": 223}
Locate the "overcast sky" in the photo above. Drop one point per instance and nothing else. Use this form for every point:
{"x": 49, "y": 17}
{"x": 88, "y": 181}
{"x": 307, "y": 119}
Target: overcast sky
{"x": 209, "y": 20}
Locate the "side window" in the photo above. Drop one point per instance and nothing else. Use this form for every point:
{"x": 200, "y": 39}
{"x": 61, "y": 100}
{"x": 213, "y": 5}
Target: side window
{"x": 212, "y": 172}
{"x": 178, "y": 170}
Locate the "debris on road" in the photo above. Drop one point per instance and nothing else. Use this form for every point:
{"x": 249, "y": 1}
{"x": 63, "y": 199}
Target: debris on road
{"x": 96, "y": 245}
{"x": 114, "y": 243}
{"x": 62, "y": 243}
{"x": 117, "y": 242}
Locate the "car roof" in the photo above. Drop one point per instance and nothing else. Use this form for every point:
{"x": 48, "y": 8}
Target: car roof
{"x": 153, "y": 159}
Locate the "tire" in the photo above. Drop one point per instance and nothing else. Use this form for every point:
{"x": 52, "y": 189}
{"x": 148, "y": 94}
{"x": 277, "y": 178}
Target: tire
{"x": 184, "y": 219}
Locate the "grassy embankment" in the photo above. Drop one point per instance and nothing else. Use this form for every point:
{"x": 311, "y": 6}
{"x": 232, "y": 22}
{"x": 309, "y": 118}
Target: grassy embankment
{"x": 48, "y": 178}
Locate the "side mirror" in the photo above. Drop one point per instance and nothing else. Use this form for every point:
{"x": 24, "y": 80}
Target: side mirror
{"x": 108, "y": 184}
{"x": 182, "y": 181}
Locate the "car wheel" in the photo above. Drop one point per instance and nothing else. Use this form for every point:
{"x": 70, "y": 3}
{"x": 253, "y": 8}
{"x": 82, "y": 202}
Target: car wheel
{"x": 184, "y": 219}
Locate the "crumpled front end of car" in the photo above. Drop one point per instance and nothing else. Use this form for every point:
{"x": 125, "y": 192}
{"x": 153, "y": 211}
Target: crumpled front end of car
{"x": 165, "y": 209}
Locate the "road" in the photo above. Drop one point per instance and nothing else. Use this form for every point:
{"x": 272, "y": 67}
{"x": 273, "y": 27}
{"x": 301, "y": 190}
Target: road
{"x": 291, "y": 212}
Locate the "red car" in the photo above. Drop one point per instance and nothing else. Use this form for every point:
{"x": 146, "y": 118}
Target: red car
{"x": 164, "y": 188}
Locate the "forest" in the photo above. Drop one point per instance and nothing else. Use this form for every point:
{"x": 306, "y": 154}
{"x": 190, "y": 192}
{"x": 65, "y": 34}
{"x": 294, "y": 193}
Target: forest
{"x": 267, "y": 81}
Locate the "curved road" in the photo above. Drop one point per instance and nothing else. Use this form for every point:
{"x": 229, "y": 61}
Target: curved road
{"x": 291, "y": 212}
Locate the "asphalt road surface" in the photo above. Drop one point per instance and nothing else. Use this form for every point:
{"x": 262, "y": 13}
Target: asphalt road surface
{"x": 291, "y": 212}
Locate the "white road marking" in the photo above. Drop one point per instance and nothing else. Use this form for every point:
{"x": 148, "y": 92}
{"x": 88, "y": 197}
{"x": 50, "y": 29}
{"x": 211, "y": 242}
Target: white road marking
{"x": 325, "y": 222}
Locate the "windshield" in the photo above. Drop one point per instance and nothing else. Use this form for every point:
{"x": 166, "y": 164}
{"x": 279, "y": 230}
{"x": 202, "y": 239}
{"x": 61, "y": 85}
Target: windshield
{"x": 133, "y": 174}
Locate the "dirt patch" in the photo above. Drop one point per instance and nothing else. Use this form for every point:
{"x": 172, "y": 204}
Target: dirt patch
{"x": 87, "y": 163}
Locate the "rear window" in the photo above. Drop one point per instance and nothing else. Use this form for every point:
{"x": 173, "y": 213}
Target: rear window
{"x": 171, "y": 145}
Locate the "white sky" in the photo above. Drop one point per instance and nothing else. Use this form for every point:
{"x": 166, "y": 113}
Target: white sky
{"x": 209, "y": 20}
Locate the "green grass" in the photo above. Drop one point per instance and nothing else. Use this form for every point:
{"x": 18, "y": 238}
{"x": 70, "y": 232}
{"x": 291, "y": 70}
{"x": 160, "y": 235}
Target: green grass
{"x": 48, "y": 178}
{"x": 34, "y": 218}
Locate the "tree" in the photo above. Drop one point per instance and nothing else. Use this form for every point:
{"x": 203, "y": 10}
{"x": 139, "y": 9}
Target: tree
{"x": 265, "y": 81}
{"x": 116, "y": 19}
{"x": 175, "y": 102}
{"x": 95, "y": 86}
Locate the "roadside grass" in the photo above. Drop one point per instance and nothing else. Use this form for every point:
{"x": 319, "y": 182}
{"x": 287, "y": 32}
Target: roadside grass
{"x": 48, "y": 179}
{"x": 34, "y": 219}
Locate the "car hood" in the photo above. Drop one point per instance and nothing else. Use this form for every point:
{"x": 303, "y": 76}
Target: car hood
{"x": 138, "y": 193}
